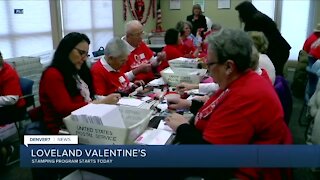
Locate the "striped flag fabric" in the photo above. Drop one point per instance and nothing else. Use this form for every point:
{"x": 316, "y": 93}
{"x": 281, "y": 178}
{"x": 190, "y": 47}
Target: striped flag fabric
{"x": 159, "y": 18}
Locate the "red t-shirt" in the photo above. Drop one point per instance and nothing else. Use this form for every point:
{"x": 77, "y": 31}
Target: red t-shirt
{"x": 187, "y": 48}
{"x": 141, "y": 54}
{"x": 249, "y": 113}
{"x": 106, "y": 82}
{"x": 315, "y": 51}
{"x": 311, "y": 39}
{"x": 10, "y": 83}
{"x": 172, "y": 52}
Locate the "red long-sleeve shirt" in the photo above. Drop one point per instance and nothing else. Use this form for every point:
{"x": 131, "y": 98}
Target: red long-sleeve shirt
{"x": 56, "y": 102}
{"x": 10, "y": 83}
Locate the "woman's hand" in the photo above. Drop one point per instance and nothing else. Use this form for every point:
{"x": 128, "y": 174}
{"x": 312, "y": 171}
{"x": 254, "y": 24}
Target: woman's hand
{"x": 110, "y": 99}
{"x": 179, "y": 103}
{"x": 182, "y": 87}
{"x": 175, "y": 120}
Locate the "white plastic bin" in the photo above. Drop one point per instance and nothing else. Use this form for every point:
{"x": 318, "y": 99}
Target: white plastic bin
{"x": 174, "y": 76}
{"x": 135, "y": 119}
{"x": 182, "y": 62}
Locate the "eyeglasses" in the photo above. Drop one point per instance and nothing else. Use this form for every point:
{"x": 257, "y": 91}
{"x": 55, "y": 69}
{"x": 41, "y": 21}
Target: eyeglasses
{"x": 82, "y": 52}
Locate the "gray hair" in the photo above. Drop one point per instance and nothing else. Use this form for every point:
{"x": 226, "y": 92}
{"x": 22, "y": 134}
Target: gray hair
{"x": 254, "y": 58}
{"x": 230, "y": 44}
{"x": 116, "y": 48}
{"x": 132, "y": 25}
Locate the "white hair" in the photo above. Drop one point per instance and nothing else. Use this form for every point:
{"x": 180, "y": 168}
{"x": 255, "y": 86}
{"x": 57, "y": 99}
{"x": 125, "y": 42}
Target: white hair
{"x": 116, "y": 48}
{"x": 132, "y": 25}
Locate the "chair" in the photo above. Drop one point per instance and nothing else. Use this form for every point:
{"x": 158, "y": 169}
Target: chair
{"x": 283, "y": 90}
{"x": 310, "y": 89}
{"x": 27, "y": 94}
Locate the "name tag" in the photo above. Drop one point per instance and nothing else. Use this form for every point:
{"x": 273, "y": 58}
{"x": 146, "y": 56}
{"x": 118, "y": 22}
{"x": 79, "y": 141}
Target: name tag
{"x": 121, "y": 79}
{"x": 142, "y": 56}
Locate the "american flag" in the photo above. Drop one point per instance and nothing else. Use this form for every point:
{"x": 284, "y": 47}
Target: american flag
{"x": 159, "y": 18}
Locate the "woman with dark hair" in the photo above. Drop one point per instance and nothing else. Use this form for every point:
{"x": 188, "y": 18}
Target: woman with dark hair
{"x": 66, "y": 84}
{"x": 197, "y": 20}
{"x": 172, "y": 48}
{"x": 254, "y": 20}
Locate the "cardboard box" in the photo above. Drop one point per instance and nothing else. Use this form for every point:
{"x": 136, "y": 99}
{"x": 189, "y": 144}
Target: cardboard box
{"x": 174, "y": 76}
{"x": 135, "y": 120}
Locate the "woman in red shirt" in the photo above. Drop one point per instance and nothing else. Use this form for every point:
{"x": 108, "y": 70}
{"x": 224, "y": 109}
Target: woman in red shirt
{"x": 66, "y": 84}
{"x": 239, "y": 112}
{"x": 172, "y": 48}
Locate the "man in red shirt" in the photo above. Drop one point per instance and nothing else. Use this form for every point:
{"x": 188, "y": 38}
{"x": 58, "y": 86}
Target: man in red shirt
{"x": 141, "y": 56}
{"x": 10, "y": 91}
{"x": 106, "y": 73}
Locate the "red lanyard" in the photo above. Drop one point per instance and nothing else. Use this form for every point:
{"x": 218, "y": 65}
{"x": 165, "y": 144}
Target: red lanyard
{"x": 203, "y": 113}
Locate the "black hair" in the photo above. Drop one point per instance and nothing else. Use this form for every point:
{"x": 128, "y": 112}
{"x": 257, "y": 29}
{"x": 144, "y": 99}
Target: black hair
{"x": 62, "y": 62}
{"x": 246, "y": 10}
{"x": 171, "y": 36}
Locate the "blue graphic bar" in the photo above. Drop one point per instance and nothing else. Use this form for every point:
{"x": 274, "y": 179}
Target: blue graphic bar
{"x": 201, "y": 156}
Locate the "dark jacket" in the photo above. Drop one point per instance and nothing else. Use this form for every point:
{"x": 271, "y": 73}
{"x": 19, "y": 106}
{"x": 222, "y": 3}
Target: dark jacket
{"x": 201, "y": 22}
{"x": 255, "y": 20}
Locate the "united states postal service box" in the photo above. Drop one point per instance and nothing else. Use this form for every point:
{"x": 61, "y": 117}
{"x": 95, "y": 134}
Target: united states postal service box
{"x": 135, "y": 121}
{"x": 174, "y": 76}
{"x": 183, "y": 62}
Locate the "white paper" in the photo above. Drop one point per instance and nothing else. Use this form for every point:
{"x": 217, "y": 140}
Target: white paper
{"x": 154, "y": 137}
{"x": 174, "y": 4}
{"x": 157, "y": 82}
{"x": 163, "y": 126}
{"x": 130, "y": 102}
{"x": 223, "y": 4}
{"x": 99, "y": 114}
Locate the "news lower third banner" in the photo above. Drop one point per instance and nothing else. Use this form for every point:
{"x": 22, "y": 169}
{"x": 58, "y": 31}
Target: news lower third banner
{"x": 58, "y": 153}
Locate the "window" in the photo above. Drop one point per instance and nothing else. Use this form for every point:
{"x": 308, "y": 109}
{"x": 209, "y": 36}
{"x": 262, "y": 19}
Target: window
{"x": 93, "y": 18}
{"x": 26, "y": 27}
{"x": 294, "y": 31}
{"x": 266, "y": 7}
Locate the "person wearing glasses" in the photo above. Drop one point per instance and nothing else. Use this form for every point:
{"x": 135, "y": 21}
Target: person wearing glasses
{"x": 140, "y": 60}
{"x": 66, "y": 84}
{"x": 211, "y": 88}
{"x": 106, "y": 72}
{"x": 239, "y": 112}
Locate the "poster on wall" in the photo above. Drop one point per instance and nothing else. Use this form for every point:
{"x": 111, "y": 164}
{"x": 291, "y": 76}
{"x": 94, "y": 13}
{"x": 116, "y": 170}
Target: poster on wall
{"x": 174, "y": 4}
{"x": 223, "y": 4}
{"x": 200, "y": 2}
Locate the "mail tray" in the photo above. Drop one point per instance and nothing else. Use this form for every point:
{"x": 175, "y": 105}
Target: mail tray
{"x": 135, "y": 120}
{"x": 174, "y": 76}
